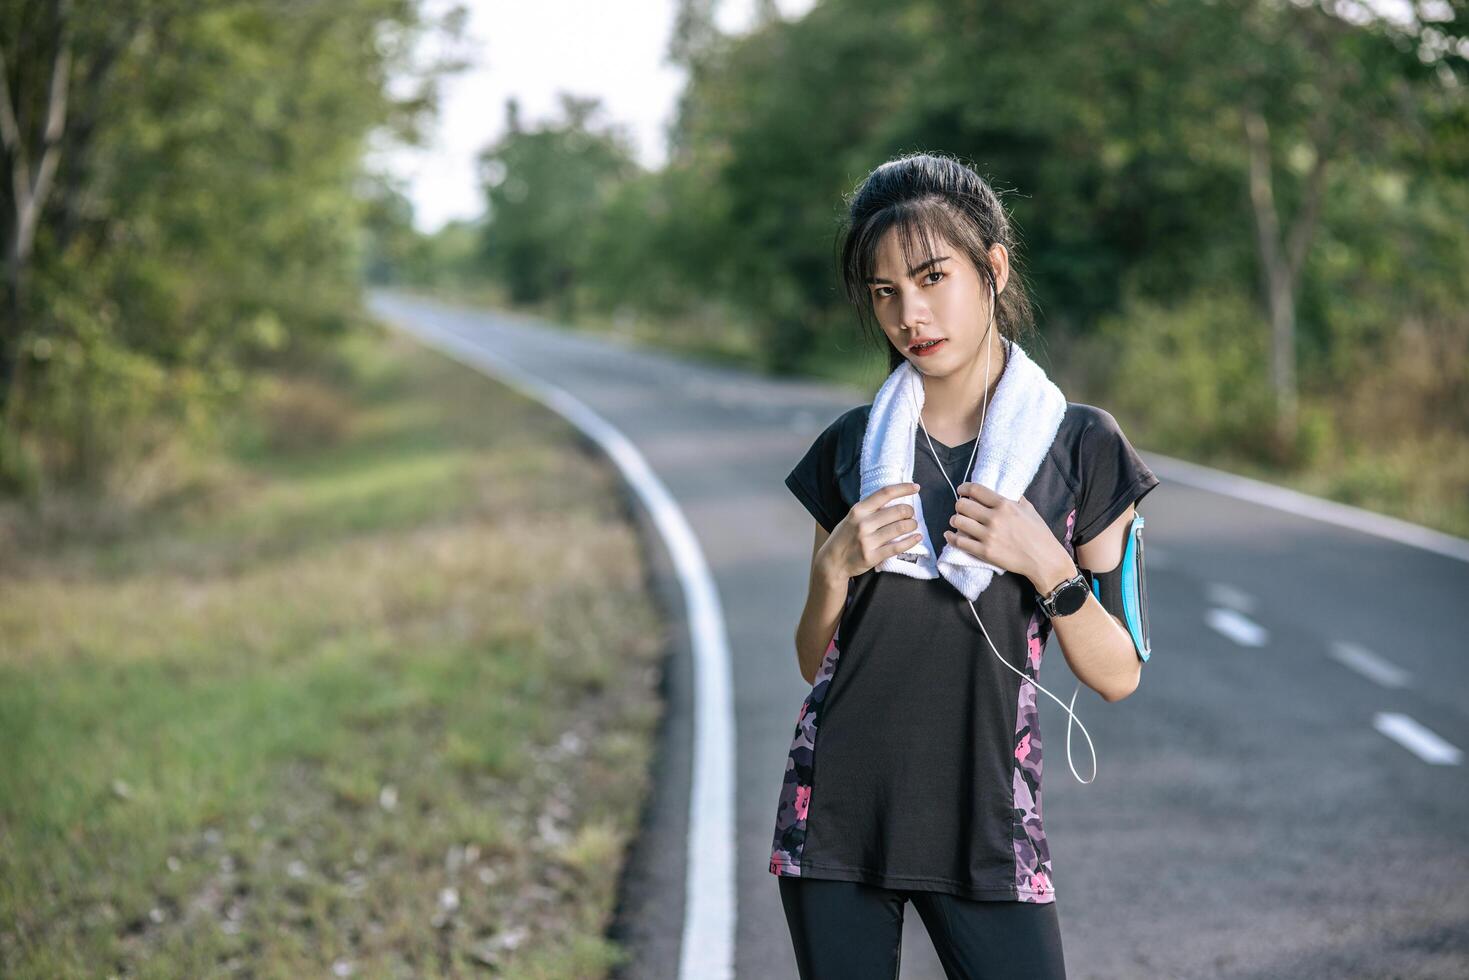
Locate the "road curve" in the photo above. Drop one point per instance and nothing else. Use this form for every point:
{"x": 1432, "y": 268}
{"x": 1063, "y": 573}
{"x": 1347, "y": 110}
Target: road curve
{"x": 1285, "y": 794}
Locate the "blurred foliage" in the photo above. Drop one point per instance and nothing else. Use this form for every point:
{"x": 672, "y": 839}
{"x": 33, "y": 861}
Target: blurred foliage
{"x": 1271, "y": 190}
{"x": 1129, "y": 139}
{"x": 205, "y": 216}
{"x": 540, "y": 188}
{"x": 1202, "y": 358}
{"x": 396, "y": 254}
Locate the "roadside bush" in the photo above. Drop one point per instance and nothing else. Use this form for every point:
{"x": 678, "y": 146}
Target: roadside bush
{"x": 302, "y": 414}
{"x": 1194, "y": 376}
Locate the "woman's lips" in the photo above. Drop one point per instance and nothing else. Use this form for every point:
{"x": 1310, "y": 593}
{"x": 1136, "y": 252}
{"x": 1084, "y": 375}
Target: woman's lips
{"x": 930, "y": 349}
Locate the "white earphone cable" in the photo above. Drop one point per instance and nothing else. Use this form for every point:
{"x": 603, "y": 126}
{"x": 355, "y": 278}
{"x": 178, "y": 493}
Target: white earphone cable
{"x": 984, "y": 408}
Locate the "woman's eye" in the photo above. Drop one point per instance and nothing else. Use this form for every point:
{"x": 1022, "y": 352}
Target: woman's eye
{"x": 879, "y": 294}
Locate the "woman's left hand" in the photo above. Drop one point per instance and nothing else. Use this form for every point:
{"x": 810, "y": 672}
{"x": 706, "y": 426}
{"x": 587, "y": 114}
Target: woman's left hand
{"x": 1009, "y": 534}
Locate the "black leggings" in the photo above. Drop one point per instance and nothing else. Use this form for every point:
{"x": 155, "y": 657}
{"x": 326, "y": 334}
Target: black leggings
{"x": 844, "y": 930}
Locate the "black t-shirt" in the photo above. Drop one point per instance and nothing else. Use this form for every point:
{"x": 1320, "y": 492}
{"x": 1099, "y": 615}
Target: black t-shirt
{"x": 928, "y": 774}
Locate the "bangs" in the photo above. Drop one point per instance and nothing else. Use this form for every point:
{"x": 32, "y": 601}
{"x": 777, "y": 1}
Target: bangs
{"x": 920, "y": 225}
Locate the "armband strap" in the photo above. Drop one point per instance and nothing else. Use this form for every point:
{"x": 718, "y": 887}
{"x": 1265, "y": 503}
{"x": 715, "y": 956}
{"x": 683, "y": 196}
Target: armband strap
{"x": 1122, "y": 591}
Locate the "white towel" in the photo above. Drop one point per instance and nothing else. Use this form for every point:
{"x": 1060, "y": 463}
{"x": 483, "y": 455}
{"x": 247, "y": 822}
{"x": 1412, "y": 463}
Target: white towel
{"x": 1020, "y": 423}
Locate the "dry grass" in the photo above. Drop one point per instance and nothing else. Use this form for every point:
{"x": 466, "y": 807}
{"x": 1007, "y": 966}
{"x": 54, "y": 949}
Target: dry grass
{"x": 315, "y": 720}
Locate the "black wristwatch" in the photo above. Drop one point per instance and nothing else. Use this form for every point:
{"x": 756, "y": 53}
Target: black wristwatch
{"x": 1065, "y": 598}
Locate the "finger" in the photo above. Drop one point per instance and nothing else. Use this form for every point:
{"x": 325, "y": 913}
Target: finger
{"x": 882, "y": 496}
{"x": 885, "y": 516}
{"x": 973, "y": 509}
{"x": 898, "y": 544}
{"x": 885, "y": 531}
{"x": 978, "y": 492}
{"x": 961, "y": 541}
{"x": 967, "y": 525}
{"x": 965, "y": 542}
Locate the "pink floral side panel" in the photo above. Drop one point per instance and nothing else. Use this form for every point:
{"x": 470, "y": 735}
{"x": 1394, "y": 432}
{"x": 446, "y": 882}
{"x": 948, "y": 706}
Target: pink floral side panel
{"x": 795, "y": 791}
{"x": 1032, "y": 854}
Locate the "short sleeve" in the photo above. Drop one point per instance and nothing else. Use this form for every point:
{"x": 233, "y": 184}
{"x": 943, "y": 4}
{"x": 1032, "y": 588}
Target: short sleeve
{"x": 814, "y": 479}
{"x": 1113, "y": 476}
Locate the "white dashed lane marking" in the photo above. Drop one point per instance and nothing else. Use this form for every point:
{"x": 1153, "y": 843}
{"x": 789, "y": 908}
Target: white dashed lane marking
{"x": 1416, "y": 739}
{"x": 1222, "y": 594}
{"x": 1237, "y": 627}
{"x": 1369, "y": 664}
{"x": 1401, "y": 728}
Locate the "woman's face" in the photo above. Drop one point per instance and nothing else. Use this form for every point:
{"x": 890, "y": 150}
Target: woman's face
{"x": 943, "y": 296}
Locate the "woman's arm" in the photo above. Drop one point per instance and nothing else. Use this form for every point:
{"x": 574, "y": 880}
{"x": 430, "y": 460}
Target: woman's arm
{"x": 825, "y": 598}
{"x": 1096, "y": 644}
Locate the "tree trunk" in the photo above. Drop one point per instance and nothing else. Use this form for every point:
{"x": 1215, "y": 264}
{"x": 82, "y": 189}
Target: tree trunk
{"x": 1283, "y": 357}
{"x": 1281, "y": 265}
{"x": 10, "y": 354}
{"x": 30, "y": 174}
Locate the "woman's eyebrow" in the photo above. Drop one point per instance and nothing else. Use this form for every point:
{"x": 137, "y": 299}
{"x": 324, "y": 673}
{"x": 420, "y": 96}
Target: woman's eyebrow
{"x": 874, "y": 280}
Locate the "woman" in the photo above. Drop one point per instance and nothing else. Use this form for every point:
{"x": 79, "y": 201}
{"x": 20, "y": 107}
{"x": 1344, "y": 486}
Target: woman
{"x": 916, "y": 767}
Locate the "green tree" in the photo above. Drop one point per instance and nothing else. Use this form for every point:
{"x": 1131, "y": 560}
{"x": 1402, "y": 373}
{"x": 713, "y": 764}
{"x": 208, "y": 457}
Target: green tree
{"x": 201, "y": 213}
{"x": 1153, "y": 148}
{"x": 543, "y": 187}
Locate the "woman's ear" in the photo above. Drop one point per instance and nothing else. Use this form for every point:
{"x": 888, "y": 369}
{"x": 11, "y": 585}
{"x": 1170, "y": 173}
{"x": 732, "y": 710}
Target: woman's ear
{"x": 1000, "y": 262}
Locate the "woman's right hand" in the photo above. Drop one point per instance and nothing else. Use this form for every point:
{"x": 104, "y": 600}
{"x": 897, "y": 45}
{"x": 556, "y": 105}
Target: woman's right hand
{"x": 871, "y": 532}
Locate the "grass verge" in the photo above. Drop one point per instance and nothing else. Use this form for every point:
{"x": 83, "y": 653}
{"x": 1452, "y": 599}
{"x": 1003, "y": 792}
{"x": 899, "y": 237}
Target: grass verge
{"x": 381, "y": 703}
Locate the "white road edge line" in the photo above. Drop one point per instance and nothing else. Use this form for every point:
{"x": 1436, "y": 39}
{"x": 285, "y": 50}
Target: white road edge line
{"x": 1369, "y": 664}
{"x": 1240, "y": 629}
{"x": 707, "y": 948}
{"x": 1170, "y": 468}
{"x": 1416, "y": 739}
{"x": 1305, "y": 505}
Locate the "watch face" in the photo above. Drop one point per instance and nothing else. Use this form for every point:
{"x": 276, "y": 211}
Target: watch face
{"x": 1071, "y": 598}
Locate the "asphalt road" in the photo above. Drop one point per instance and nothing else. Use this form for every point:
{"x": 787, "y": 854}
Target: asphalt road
{"x": 1284, "y": 796}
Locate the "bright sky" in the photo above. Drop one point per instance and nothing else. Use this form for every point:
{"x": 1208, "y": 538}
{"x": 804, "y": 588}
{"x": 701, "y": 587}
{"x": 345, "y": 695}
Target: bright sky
{"x": 532, "y": 51}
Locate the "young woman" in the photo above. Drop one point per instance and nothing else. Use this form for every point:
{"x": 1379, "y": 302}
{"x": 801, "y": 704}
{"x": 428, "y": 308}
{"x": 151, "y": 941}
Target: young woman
{"x": 916, "y": 767}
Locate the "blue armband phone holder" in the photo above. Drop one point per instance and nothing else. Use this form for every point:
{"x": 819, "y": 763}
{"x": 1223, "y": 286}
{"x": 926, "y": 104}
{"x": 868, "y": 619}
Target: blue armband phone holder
{"x": 1122, "y": 591}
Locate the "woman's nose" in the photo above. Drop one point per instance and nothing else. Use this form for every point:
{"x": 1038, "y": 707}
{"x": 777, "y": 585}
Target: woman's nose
{"x": 916, "y": 314}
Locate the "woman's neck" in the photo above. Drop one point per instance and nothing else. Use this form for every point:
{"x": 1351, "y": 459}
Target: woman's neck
{"x": 952, "y": 405}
